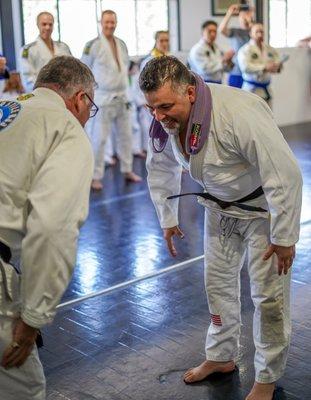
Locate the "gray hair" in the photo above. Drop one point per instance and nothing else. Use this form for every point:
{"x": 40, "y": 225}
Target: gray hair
{"x": 67, "y": 75}
{"x": 164, "y": 69}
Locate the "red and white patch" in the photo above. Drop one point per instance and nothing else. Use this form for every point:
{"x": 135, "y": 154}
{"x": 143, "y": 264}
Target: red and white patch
{"x": 216, "y": 320}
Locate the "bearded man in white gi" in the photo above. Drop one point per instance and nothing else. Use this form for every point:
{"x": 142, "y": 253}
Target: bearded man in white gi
{"x": 38, "y": 53}
{"x": 205, "y": 57}
{"x": 45, "y": 177}
{"x": 257, "y": 61}
{"x": 107, "y": 57}
{"x": 228, "y": 140}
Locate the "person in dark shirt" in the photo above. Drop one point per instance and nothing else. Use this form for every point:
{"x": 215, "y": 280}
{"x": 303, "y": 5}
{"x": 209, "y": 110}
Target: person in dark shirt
{"x": 237, "y": 36}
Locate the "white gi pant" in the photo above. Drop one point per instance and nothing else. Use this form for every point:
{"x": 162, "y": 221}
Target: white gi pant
{"x": 227, "y": 241}
{"x": 100, "y": 126}
{"x": 26, "y": 382}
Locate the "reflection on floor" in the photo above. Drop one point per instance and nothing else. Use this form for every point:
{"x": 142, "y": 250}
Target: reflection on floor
{"x": 135, "y": 343}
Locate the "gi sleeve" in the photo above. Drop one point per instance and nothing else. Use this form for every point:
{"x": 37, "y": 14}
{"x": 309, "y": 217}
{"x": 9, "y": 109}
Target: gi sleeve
{"x": 28, "y": 71}
{"x": 88, "y": 55}
{"x": 261, "y": 143}
{"x": 249, "y": 62}
{"x": 164, "y": 179}
{"x": 58, "y": 205}
{"x": 203, "y": 62}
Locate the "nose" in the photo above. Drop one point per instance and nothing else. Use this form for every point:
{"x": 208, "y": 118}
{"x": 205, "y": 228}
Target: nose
{"x": 159, "y": 116}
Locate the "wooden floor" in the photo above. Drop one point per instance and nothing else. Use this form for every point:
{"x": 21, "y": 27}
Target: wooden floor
{"x": 145, "y": 324}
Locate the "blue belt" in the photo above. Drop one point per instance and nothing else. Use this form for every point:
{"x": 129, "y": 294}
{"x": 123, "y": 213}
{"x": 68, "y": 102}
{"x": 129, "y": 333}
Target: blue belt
{"x": 210, "y": 81}
{"x": 262, "y": 85}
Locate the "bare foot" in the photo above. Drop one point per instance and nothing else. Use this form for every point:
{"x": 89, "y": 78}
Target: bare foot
{"x": 261, "y": 391}
{"x": 207, "y": 368}
{"x": 96, "y": 184}
{"x": 132, "y": 177}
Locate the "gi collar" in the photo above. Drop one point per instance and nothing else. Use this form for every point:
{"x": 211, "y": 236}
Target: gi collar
{"x": 198, "y": 123}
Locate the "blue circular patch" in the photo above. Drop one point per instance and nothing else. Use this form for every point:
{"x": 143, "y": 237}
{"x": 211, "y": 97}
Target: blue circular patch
{"x": 8, "y": 112}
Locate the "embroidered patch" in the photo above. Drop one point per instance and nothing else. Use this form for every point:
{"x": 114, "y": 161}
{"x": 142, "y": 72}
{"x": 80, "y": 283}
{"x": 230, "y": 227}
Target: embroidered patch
{"x": 207, "y": 53}
{"x": 25, "y": 53}
{"x": 216, "y": 320}
{"x": 270, "y": 55}
{"x": 23, "y": 97}
{"x": 195, "y": 136}
{"x": 254, "y": 56}
{"x": 8, "y": 112}
{"x": 87, "y": 48}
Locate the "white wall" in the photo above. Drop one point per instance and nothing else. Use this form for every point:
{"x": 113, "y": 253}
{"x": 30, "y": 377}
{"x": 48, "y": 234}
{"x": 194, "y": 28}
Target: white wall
{"x": 292, "y": 88}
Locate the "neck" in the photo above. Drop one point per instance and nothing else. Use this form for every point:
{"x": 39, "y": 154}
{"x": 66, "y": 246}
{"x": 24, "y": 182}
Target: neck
{"x": 109, "y": 37}
{"x": 48, "y": 40}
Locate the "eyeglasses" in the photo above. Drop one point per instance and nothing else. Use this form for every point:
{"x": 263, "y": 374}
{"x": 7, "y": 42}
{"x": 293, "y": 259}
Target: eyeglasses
{"x": 94, "y": 108}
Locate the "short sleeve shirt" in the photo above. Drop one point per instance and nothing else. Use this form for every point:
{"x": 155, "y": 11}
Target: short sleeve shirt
{"x": 238, "y": 37}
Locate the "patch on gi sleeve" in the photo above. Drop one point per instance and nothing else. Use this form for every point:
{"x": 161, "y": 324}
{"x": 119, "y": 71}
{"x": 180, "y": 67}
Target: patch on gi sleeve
{"x": 254, "y": 56}
{"x": 23, "y": 97}
{"x": 216, "y": 320}
{"x": 270, "y": 55}
{"x": 8, "y": 112}
{"x": 87, "y": 48}
{"x": 25, "y": 52}
{"x": 207, "y": 53}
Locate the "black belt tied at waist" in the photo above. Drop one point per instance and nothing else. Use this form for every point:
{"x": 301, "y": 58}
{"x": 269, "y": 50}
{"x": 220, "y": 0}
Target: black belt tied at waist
{"x": 6, "y": 255}
{"x": 5, "y": 252}
{"x": 225, "y": 204}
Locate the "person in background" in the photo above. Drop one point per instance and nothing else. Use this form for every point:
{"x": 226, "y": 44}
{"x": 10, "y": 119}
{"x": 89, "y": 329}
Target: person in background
{"x": 38, "y": 53}
{"x": 257, "y": 61}
{"x": 4, "y": 73}
{"x": 237, "y": 37}
{"x": 107, "y": 57}
{"x": 161, "y": 47}
{"x": 205, "y": 57}
{"x": 13, "y": 86}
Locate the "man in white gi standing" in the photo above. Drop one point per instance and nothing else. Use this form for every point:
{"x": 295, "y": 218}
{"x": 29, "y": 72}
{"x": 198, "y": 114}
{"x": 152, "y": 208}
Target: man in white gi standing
{"x": 38, "y": 53}
{"x": 257, "y": 61}
{"x": 45, "y": 179}
{"x": 107, "y": 57}
{"x": 205, "y": 57}
{"x": 252, "y": 188}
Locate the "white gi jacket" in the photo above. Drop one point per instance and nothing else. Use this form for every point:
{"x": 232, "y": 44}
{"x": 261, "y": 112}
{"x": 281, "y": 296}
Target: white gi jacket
{"x": 252, "y": 61}
{"x": 206, "y": 62}
{"x": 36, "y": 55}
{"x": 245, "y": 150}
{"x": 112, "y": 81}
{"x": 45, "y": 176}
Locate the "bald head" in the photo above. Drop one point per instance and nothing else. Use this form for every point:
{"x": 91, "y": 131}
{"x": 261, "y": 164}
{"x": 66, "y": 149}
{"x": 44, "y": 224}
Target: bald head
{"x": 45, "y": 23}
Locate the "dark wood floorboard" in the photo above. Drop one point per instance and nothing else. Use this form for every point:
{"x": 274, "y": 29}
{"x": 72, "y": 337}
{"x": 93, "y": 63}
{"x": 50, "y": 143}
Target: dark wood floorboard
{"x": 135, "y": 343}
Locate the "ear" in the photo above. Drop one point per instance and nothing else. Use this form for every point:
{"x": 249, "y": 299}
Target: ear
{"x": 191, "y": 93}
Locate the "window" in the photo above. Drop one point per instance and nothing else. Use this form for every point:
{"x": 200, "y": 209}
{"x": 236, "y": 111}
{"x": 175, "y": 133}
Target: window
{"x": 289, "y": 21}
{"x": 77, "y": 21}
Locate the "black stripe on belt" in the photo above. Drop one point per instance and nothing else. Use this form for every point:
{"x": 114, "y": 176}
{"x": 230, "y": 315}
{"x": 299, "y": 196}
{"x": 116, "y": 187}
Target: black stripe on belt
{"x": 5, "y": 252}
{"x": 225, "y": 204}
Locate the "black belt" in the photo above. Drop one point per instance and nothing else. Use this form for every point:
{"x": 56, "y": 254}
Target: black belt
{"x": 5, "y": 252}
{"x": 225, "y": 204}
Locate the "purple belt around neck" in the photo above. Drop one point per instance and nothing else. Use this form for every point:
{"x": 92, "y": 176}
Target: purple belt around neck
{"x": 198, "y": 123}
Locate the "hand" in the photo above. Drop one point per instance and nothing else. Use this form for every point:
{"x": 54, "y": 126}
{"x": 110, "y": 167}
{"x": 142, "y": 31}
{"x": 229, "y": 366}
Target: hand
{"x": 168, "y": 234}
{"x": 24, "y": 337}
{"x": 234, "y": 9}
{"x": 2, "y": 64}
{"x": 228, "y": 56}
{"x": 284, "y": 254}
{"x": 272, "y": 67}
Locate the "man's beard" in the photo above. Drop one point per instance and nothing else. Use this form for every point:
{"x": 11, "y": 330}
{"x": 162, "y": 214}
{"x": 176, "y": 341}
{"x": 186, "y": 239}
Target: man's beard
{"x": 171, "y": 131}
